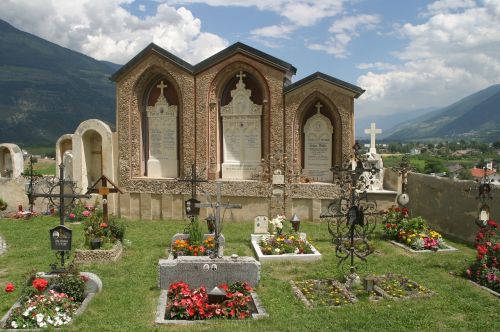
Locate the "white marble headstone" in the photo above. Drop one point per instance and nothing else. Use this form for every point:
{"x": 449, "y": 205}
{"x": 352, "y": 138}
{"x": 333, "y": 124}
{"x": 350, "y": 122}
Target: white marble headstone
{"x": 162, "y": 120}
{"x": 241, "y": 134}
{"x": 261, "y": 225}
{"x": 318, "y": 147}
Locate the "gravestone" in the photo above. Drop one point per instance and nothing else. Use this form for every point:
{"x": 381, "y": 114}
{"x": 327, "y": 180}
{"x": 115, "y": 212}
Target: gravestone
{"x": 241, "y": 134}
{"x": 318, "y": 132}
{"x": 162, "y": 120}
{"x": 11, "y": 161}
{"x": 375, "y": 160}
{"x": 261, "y": 225}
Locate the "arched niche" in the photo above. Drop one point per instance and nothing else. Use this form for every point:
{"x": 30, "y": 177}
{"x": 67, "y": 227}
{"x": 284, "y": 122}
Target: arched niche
{"x": 11, "y": 161}
{"x": 63, "y": 144}
{"x": 241, "y": 125}
{"x": 320, "y": 138}
{"x": 92, "y": 153}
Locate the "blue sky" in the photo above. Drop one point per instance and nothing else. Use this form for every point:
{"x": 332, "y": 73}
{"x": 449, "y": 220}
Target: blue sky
{"x": 410, "y": 56}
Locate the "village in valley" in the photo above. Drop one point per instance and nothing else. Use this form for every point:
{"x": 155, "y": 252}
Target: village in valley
{"x": 227, "y": 195}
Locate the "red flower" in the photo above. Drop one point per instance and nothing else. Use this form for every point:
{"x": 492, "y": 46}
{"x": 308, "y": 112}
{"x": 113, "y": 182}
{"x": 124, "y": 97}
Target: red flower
{"x": 496, "y": 247}
{"x": 103, "y": 225}
{"x": 388, "y": 225}
{"x": 84, "y": 278}
{"x": 9, "y": 288}
{"x": 492, "y": 223}
{"x": 482, "y": 250}
{"x": 40, "y": 284}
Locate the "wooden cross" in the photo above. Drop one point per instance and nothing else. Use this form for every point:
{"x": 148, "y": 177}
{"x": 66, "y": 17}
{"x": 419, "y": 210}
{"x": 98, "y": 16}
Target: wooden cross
{"x": 372, "y": 131}
{"x": 218, "y": 206}
{"x": 104, "y": 191}
{"x": 161, "y": 86}
{"x": 193, "y": 180}
{"x": 318, "y": 106}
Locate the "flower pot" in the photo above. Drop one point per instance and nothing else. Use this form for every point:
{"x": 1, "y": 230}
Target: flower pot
{"x": 95, "y": 244}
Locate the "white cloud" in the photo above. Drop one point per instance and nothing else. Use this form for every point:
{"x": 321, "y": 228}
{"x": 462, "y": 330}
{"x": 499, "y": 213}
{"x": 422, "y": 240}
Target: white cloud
{"x": 274, "y": 31}
{"x": 377, "y": 66}
{"x": 142, "y": 8}
{"x": 344, "y": 30}
{"x": 107, "y": 31}
{"x": 454, "y": 53}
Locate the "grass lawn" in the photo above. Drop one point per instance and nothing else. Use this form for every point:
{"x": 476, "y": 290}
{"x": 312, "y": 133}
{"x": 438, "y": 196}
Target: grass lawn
{"x": 130, "y": 294}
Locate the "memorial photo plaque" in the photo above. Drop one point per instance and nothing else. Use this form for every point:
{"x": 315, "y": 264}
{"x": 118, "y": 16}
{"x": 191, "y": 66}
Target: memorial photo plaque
{"x": 60, "y": 238}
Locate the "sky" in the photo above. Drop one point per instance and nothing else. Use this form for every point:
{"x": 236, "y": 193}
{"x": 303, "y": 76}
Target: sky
{"x": 409, "y": 55}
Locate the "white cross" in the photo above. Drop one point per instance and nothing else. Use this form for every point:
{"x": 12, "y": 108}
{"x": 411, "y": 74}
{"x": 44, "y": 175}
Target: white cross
{"x": 161, "y": 86}
{"x": 372, "y": 132}
{"x": 241, "y": 75}
{"x": 318, "y": 106}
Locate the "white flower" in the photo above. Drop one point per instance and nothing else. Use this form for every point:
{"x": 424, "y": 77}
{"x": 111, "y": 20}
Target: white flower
{"x": 296, "y": 250}
{"x": 14, "y": 325}
{"x": 277, "y": 250}
{"x": 39, "y": 318}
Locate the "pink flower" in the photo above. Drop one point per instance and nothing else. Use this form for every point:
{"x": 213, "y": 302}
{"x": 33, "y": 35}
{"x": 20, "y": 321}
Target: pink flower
{"x": 492, "y": 223}
{"x": 86, "y": 213}
{"x": 71, "y": 216}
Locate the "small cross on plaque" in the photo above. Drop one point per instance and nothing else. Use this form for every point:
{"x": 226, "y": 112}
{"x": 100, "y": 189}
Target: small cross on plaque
{"x": 104, "y": 191}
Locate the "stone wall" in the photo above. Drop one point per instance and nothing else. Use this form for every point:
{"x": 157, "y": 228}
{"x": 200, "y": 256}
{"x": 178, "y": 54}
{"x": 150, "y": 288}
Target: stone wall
{"x": 12, "y": 191}
{"x": 447, "y": 206}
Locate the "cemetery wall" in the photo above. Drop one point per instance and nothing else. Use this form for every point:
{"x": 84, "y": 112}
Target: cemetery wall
{"x": 12, "y": 191}
{"x": 447, "y": 206}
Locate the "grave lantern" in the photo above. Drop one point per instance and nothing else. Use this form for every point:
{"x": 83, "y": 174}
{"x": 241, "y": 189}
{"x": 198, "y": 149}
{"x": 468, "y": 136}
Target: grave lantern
{"x": 295, "y": 222}
{"x": 192, "y": 210}
{"x": 216, "y": 295}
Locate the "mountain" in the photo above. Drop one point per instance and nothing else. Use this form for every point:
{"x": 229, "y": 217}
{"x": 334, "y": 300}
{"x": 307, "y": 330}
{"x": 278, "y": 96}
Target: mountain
{"x": 476, "y": 116}
{"x": 46, "y": 90}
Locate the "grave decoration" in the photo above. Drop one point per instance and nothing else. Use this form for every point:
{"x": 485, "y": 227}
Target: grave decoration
{"x": 331, "y": 293}
{"x": 485, "y": 270}
{"x": 412, "y": 234}
{"x": 351, "y": 218}
{"x": 279, "y": 241}
{"x": 51, "y": 300}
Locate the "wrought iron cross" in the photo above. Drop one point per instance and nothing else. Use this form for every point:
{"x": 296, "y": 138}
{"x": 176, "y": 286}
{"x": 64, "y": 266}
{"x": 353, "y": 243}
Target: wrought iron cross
{"x": 403, "y": 169}
{"x": 32, "y": 176}
{"x": 218, "y": 206}
{"x": 194, "y": 180}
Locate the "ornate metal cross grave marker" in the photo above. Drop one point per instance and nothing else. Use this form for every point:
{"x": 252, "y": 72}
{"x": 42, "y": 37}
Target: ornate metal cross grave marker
{"x": 191, "y": 209}
{"x": 32, "y": 177}
{"x": 104, "y": 191}
{"x": 60, "y": 194}
{"x": 484, "y": 193}
{"x": 403, "y": 169}
{"x": 352, "y": 217}
{"x": 218, "y": 206}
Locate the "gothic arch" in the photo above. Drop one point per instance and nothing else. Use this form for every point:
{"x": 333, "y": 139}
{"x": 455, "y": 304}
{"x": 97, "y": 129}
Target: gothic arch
{"x": 304, "y": 112}
{"x": 221, "y": 86}
{"x": 144, "y": 90}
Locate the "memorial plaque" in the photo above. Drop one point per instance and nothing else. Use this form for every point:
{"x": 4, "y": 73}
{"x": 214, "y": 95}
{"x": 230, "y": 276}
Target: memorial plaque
{"x": 278, "y": 178}
{"x": 241, "y": 134}
{"x": 318, "y": 147}
{"x": 60, "y": 238}
{"x": 261, "y": 225}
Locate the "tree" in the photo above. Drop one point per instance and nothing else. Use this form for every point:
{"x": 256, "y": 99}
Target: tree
{"x": 434, "y": 165}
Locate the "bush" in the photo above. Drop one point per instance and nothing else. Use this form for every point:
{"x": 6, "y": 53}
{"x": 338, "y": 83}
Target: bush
{"x": 95, "y": 228}
{"x": 3, "y": 205}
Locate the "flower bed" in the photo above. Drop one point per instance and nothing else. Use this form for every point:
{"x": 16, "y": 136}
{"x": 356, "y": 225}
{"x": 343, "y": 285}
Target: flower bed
{"x": 180, "y": 304}
{"x": 485, "y": 269}
{"x": 412, "y": 233}
{"x": 51, "y": 300}
{"x": 297, "y": 249}
{"x": 396, "y": 287}
{"x": 181, "y": 246}
{"x": 326, "y": 292}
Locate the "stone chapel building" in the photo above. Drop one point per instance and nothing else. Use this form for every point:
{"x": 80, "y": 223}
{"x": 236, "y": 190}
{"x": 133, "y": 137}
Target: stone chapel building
{"x": 238, "y": 117}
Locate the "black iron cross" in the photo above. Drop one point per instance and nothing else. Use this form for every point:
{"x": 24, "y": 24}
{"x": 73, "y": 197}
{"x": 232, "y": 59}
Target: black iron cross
{"x": 31, "y": 186}
{"x": 194, "y": 180}
{"x": 104, "y": 191}
{"x": 218, "y": 207}
{"x": 403, "y": 169}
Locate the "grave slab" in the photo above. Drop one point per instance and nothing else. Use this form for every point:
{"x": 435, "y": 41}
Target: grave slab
{"x": 447, "y": 249}
{"x": 315, "y": 256}
{"x": 203, "y": 271}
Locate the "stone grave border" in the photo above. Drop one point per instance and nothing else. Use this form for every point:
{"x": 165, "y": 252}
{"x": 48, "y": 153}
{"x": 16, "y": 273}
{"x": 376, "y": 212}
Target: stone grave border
{"x": 161, "y": 309}
{"x": 405, "y": 247}
{"x": 94, "y": 286}
{"x": 351, "y": 297}
{"x": 315, "y": 256}
{"x": 100, "y": 256}
{"x": 489, "y": 290}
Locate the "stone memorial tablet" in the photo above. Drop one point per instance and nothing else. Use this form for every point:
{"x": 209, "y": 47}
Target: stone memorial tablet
{"x": 162, "y": 120}
{"x": 261, "y": 225}
{"x": 318, "y": 147}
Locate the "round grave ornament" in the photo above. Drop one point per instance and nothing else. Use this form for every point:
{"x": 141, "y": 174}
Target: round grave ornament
{"x": 403, "y": 199}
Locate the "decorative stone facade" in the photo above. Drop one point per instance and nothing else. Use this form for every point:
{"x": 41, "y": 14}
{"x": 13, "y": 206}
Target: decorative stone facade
{"x": 200, "y": 90}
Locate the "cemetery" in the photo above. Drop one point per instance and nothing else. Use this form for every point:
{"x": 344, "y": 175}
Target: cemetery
{"x": 244, "y": 205}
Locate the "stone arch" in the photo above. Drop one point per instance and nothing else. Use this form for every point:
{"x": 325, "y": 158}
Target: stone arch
{"x": 11, "y": 161}
{"x": 305, "y": 111}
{"x": 143, "y": 91}
{"x": 93, "y": 153}
{"x": 220, "y": 88}
{"x": 63, "y": 144}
